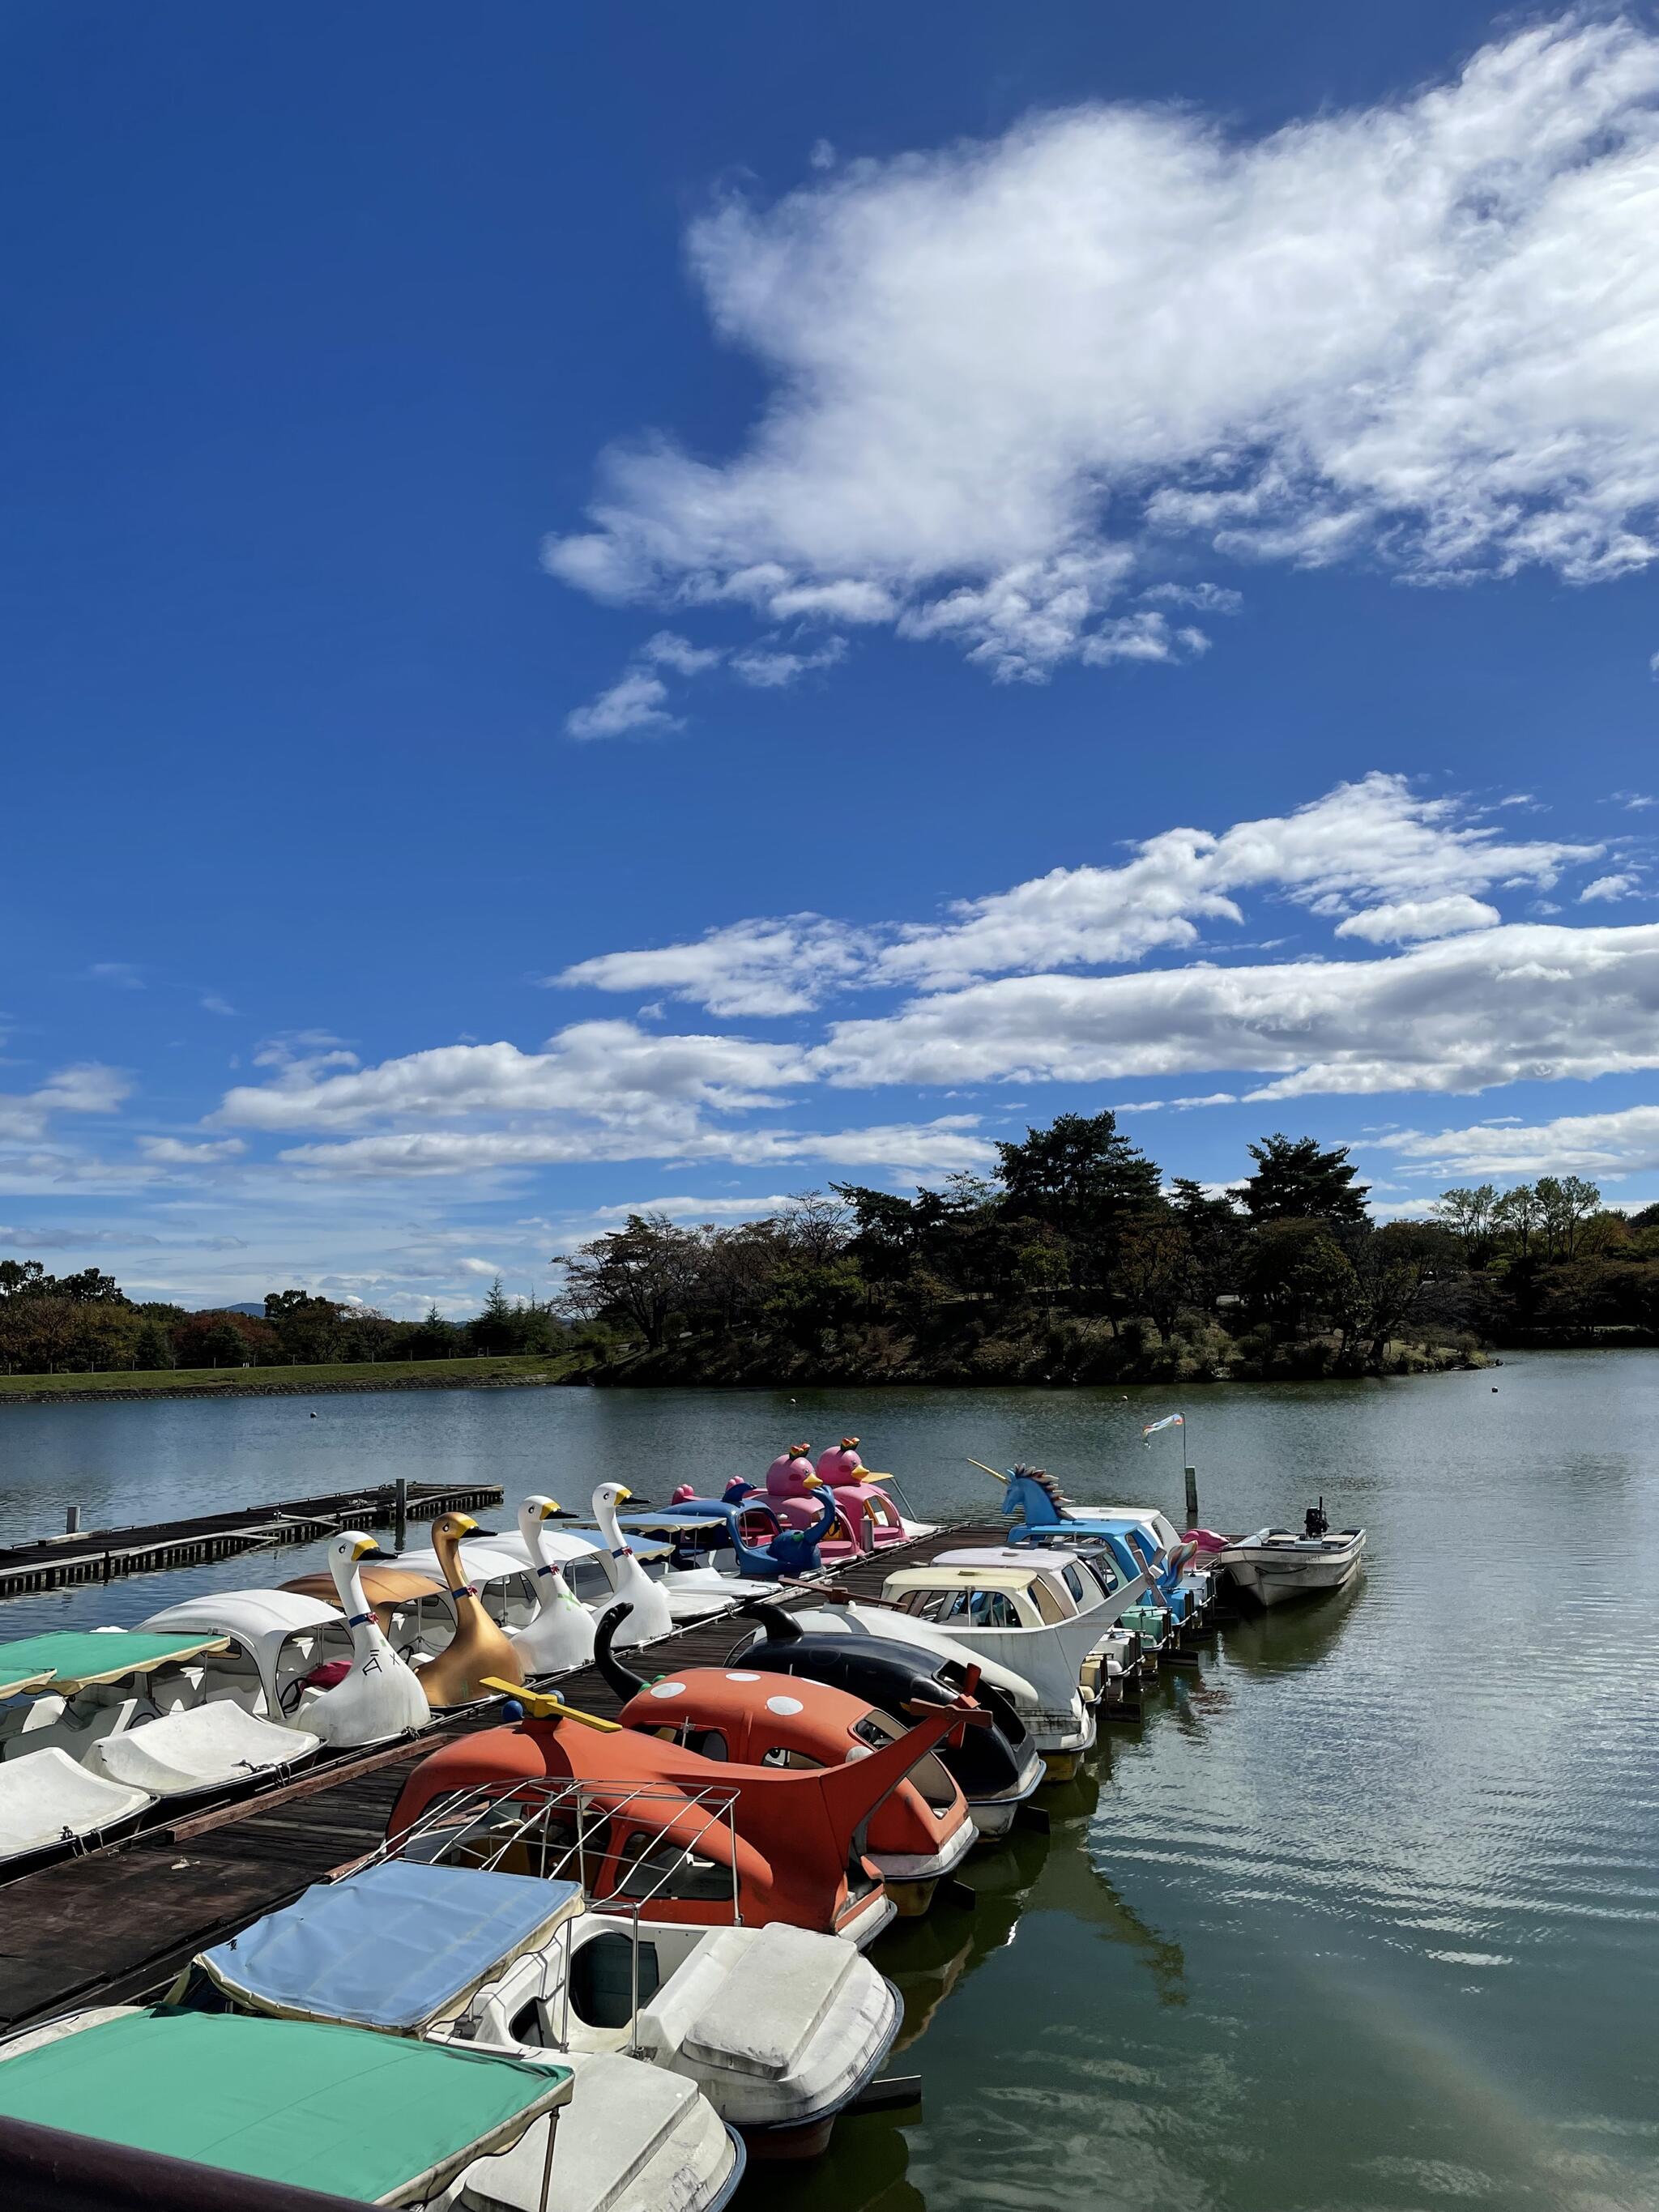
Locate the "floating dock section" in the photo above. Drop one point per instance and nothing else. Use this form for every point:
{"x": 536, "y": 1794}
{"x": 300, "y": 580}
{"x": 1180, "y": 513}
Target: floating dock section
{"x": 101, "y": 1555}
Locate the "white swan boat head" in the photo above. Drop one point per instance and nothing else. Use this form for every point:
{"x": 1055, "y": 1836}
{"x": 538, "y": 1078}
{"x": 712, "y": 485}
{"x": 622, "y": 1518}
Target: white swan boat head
{"x": 561, "y": 1634}
{"x": 648, "y": 1614}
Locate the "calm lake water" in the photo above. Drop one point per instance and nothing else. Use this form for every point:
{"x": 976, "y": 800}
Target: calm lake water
{"x": 1366, "y": 1915}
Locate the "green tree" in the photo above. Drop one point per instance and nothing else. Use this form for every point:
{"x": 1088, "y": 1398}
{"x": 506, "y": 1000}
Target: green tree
{"x": 1297, "y": 1180}
{"x": 639, "y": 1274}
{"x": 1470, "y": 1215}
{"x": 151, "y": 1349}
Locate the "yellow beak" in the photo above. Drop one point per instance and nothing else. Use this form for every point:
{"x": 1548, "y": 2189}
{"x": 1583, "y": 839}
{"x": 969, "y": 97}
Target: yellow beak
{"x": 622, "y": 1493}
{"x": 551, "y": 1507}
{"x": 364, "y": 1548}
{"x": 811, "y": 1482}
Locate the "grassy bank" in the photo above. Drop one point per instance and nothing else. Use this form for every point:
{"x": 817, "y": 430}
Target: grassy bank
{"x": 528, "y": 1369}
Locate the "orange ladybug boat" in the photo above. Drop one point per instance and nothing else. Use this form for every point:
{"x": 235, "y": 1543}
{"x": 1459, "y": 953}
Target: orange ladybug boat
{"x": 921, "y": 1833}
{"x": 796, "y": 1836}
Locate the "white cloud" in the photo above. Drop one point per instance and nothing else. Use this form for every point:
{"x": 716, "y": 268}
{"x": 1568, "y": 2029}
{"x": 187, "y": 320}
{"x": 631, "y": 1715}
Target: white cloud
{"x": 1610, "y": 887}
{"x": 121, "y": 975}
{"x": 906, "y": 1148}
{"x": 769, "y": 668}
{"x": 173, "y": 1151}
{"x": 611, "y": 1068}
{"x": 635, "y": 702}
{"x": 212, "y": 1003}
{"x": 1526, "y": 1002}
{"x": 668, "y": 649}
{"x": 765, "y": 968}
{"x": 1404, "y": 922}
{"x": 1375, "y": 840}
{"x": 696, "y": 1209}
{"x": 1001, "y": 371}
{"x": 1615, "y": 1144}
{"x": 85, "y": 1088}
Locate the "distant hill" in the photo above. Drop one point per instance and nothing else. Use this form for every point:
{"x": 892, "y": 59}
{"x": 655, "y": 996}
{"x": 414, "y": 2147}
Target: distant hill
{"x": 254, "y": 1306}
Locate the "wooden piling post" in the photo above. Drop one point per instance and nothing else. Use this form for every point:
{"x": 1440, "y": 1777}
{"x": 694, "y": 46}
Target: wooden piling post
{"x": 1192, "y": 1497}
{"x": 400, "y": 1514}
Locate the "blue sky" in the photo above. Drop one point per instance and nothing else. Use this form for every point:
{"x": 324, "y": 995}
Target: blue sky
{"x": 610, "y": 607}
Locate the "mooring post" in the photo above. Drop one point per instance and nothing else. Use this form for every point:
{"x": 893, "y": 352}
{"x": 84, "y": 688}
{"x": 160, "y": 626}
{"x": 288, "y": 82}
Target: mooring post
{"x": 400, "y": 1513}
{"x": 72, "y": 1522}
{"x": 1192, "y": 1497}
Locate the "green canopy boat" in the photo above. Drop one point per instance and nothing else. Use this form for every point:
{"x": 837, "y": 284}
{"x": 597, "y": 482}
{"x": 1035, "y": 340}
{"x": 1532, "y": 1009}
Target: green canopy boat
{"x": 380, "y": 2119}
{"x": 68, "y": 1660}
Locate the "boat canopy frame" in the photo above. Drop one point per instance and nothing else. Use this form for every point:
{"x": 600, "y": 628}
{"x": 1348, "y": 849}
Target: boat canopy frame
{"x": 656, "y": 1812}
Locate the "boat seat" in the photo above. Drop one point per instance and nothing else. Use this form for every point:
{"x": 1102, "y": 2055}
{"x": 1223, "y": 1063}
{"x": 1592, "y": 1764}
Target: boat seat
{"x": 73, "y": 1729}
{"x": 749, "y": 2000}
{"x": 233, "y": 1686}
{"x": 201, "y": 1749}
{"x": 47, "y": 1797}
{"x": 176, "y": 1689}
{"x": 624, "y": 2120}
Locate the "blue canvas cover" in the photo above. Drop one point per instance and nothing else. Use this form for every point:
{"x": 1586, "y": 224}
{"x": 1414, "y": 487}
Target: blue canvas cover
{"x": 393, "y": 1947}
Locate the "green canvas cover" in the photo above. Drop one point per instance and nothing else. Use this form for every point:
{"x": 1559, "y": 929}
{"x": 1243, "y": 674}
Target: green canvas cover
{"x": 336, "y": 2109}
{"x": 66, "y": 1659}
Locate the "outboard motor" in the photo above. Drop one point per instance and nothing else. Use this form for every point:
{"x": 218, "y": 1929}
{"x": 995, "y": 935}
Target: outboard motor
{"x": 1315, "y": 1523}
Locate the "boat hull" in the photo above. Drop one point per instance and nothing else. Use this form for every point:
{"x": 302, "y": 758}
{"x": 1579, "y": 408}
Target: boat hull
{"x": 1279, "y": 1575}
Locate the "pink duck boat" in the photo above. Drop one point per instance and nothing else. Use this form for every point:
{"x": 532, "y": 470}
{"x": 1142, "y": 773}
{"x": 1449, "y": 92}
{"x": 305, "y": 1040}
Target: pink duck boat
{"x": 869, "y": 1521}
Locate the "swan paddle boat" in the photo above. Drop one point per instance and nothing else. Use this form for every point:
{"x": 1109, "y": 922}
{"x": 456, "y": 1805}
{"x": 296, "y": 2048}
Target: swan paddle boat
{"x": 480, "y": 1647}
{"x": 996, "y": 1769}
{"x": 921, "y": 1834}
{"x": 559, "y": 1634}
{"x": 295, "y": 1661}
{"x": 777, "y": 2028}
{"x": 135, "y": 2104}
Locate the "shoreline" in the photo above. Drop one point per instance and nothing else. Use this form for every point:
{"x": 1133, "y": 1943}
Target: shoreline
{"x": 618, "y": 1377}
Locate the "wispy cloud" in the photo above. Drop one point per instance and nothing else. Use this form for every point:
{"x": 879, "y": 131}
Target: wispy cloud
{"x": 637, "y": 700}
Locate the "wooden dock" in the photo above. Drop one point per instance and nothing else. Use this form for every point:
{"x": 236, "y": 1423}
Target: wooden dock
{"x": 102, "y": 1555}
{"x": 115, "y": 1925}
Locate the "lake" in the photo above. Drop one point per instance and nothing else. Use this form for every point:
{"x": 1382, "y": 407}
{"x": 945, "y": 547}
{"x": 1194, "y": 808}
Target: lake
{"x": 1365, "y": 1916}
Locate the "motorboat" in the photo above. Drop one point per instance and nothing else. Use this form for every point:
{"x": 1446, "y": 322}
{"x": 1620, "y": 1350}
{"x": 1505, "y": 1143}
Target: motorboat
{"x": 1041, "y": 1612}
{"x": 923, "y": 1830}
{"x": 776, "y": 2027}
{"x": 1273, "y": 1565}
{"x": 797, "y": 1834}
{"x": 153, "y": 2103}
{"x": 108, "y": 1722}
{"x": 298, "y": 1661}
{"x": 996, "y": 1769}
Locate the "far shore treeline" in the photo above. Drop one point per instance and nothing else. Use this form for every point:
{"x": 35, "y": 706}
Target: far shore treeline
{"x": 1075, "y": 1262}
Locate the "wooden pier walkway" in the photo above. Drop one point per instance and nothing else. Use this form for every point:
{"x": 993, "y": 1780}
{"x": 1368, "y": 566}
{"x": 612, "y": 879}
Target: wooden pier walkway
{"x": 116, "y": 1924}
{"x": 101, "y": 1555}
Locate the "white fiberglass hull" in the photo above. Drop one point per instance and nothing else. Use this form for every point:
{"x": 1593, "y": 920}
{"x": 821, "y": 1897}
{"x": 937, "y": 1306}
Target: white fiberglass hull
{"x": 1288, "y": 1567}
